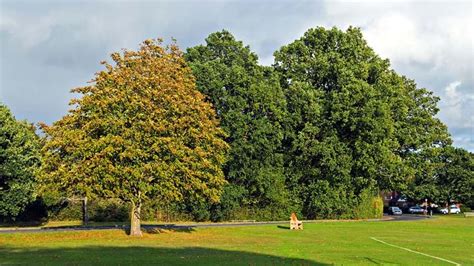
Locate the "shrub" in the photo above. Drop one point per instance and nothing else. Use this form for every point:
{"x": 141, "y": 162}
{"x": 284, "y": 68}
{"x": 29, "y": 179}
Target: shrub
{"x": 35, "y": 212}
{"x": 465, "y": 208}
{"x": 229, "y": 205}
{"x": 324, "y": 201}
{"x": 108, "y": 211}
{"x": 370, "y": 206}
{"x": 65, "y": 211}
{"x": 99, "y": 210}
{"x": 169, "y": 212}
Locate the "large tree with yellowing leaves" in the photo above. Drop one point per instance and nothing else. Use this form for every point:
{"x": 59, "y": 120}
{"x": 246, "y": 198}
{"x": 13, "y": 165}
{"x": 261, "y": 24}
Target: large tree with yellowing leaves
{"x": 140, "y": 131}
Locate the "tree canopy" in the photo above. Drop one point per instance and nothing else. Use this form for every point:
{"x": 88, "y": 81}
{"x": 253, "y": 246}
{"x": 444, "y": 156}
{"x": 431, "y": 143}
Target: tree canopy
{"x": 140, "y": 131}
{"x": 19, "y": 160}
{"x": 251, "y": 106}
{"x": 214, "y": 134}
{"x": 353, "y": 124}
{"x": 448, "y": 176}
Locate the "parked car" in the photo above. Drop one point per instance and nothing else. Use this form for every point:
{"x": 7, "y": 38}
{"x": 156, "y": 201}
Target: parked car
{"x": 394, "y": 210}
{"x": 416, "y": 209}
{"x": 452, "y": 209}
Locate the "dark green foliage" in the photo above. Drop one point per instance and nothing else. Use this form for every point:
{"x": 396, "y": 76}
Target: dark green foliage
{"x": 340, "y": 125}
{"x": 112, "y": 210}
{"x": 19, "y": 158}
{"x": 98, "y": 210}
{"x": 198, "y": 210}
{"x": 251, "y": 107}
{"x": 465, "y": 208}
{"x": 324, "y": 200}
{"x": 230, "y": 204}
{"x": 66, "y": 211}
{"x": 424, "y": 184}
{"x": 448, "y": 176}
{"x": 456, "y": 177}
{"x": 319, "y": 133}
{"x": 353, "y": 123}
{"x": 34, "y": 213}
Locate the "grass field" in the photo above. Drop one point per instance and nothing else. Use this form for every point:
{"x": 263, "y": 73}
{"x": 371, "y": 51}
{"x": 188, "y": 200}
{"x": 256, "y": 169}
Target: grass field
{"x": 450, "y": 238}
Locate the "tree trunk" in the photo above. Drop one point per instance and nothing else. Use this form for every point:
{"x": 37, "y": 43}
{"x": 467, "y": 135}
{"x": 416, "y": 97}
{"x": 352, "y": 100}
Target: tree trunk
{"x": 448, "y": 206}
{"x": 85, "y": 216}
{"x": 135, "y": 229}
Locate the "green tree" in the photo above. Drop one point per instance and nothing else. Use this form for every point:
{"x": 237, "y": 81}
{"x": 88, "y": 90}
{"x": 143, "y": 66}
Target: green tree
{"x": 19, "y": 159}
{"x": 450, "y": 178}
{"x": 140, "y": 132}
{"x": 354, "y": 124}
{"x": 251, "y": 106}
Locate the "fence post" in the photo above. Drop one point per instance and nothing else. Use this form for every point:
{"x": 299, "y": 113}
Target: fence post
{"x": 85, "y": 216}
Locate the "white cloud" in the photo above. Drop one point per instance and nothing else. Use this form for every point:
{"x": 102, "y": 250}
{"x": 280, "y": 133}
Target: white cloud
{"x": 428, "y": 41}
{"x": 451, "y": 93}
{"x": 456, "y": 106}
{"x": 25, "y": 31}
{"x": 58, "y": 45}
{"x": 397, "y": 37}
{"x": 435, "y": 34}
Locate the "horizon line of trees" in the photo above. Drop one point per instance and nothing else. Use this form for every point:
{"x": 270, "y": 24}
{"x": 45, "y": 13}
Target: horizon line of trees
{"x": 214, "y": 134}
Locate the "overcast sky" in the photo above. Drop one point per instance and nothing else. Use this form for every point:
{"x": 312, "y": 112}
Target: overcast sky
{"x": 50, "y": 47}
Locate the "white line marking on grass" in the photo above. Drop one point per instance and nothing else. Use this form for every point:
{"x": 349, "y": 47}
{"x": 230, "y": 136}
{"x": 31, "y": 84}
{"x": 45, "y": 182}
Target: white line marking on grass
{"x": 407, "y": 249}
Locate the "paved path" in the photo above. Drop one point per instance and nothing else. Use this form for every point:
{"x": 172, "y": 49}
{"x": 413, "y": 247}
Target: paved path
{"x": 196, "y": 225}
{"x": 409, "y": 217}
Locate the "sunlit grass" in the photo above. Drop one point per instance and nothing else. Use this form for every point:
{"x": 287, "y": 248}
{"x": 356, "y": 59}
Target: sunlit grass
{"x": 451, "y": 238}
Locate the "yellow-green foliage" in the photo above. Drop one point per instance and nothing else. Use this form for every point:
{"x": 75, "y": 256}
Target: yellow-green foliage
{"x": 140, "y": 131}
{"x": 370, "y": 206}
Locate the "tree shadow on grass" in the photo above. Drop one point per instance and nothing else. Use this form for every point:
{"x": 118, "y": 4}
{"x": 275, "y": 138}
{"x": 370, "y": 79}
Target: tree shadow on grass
{"x": 152, "y": 229}
{"x": 166, "y": 229}
{"x": 22, "y": 224}
{"x": 380, "y": 262}
{"x": 283, "y": 227}
{"x": 107, "y": 255}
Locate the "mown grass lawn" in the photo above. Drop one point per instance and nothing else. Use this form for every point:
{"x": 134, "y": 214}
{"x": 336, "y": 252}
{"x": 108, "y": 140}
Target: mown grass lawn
{"x": 451, "y": 238}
